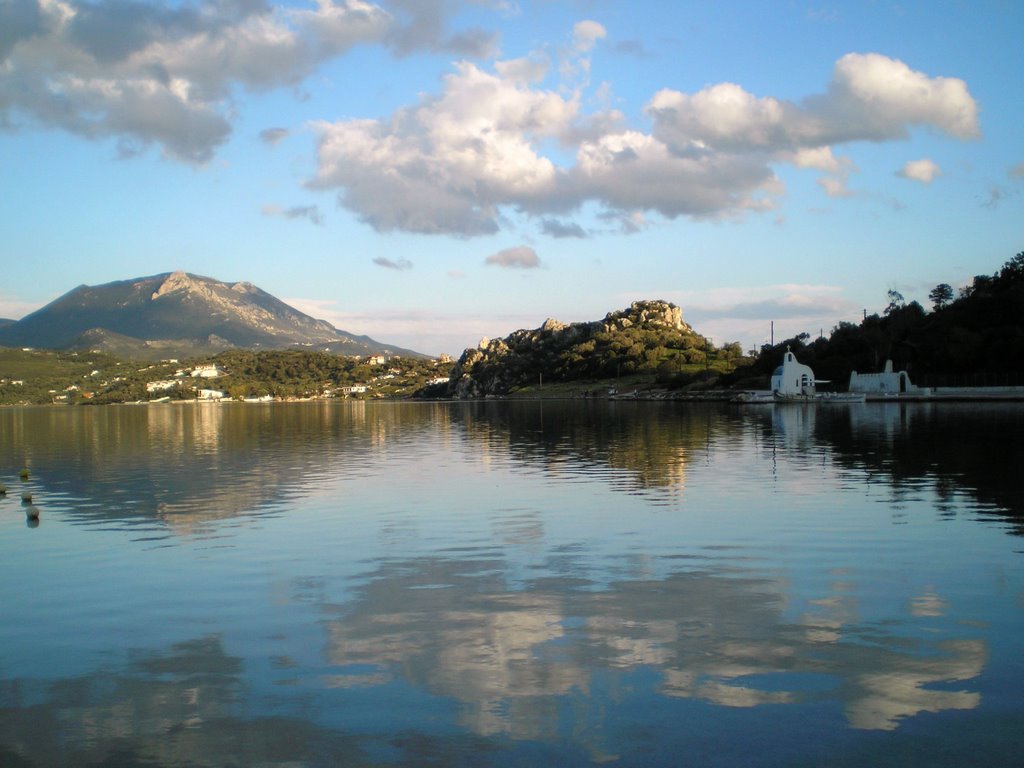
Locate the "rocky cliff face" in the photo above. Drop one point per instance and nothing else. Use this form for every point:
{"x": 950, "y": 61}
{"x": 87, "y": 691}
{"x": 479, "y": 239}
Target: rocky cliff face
{"x": 560, "y": 351}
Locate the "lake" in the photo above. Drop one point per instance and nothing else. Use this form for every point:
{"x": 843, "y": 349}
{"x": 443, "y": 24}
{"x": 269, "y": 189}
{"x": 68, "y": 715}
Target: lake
{"x": 512, "y": 584}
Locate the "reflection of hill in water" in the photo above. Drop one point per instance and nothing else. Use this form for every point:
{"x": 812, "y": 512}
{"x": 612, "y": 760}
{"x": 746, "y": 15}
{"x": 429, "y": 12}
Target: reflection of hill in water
{"x": 958, "y": 447}
{"x": 195, "y": 463}
{"x": 645, "y": 445}
{"x": 187, "y": 465}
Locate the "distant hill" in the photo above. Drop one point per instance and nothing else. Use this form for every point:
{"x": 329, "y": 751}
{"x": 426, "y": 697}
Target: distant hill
{"x": 180, "y": 315}
{"x": 647, "y": 338}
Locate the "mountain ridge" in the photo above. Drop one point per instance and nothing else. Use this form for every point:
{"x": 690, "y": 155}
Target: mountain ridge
{"x": 180, "y": 314}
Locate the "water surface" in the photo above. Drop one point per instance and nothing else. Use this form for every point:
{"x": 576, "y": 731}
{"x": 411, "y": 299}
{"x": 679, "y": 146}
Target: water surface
{"x": 541, "y": 583}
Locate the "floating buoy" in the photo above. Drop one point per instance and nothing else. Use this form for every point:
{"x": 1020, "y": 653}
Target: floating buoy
{"x": 3, "y": 489}
{"x": 32, "y": 513}
{"x": 24, "y": 474}
{"x": 26, "y": 497}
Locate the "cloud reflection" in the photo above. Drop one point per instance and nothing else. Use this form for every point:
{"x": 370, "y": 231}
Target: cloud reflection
{"x": 723, "y": 639}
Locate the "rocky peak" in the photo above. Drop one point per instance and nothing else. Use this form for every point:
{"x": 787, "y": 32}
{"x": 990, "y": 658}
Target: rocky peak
{"x": 175, "y": 281}
{"x": 649, "y": 312}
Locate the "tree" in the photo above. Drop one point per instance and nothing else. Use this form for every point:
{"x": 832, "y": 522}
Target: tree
{"x": 941, "y": 295}
{"x": 896, "y": 301}
{"x": 1013, "y": 270}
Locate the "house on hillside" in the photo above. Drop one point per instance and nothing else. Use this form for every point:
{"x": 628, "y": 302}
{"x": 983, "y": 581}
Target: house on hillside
{"x": 210, "y": 371}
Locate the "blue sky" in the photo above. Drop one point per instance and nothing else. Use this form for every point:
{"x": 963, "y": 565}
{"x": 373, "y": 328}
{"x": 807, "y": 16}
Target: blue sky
{"x": 429, "y": 172}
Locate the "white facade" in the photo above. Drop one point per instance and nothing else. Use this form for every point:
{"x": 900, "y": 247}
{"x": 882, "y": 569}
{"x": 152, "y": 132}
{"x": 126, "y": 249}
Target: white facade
{"x": 792, "y": 377}
{"x": 888, "y": 382}
{"x": 207, "y": 372}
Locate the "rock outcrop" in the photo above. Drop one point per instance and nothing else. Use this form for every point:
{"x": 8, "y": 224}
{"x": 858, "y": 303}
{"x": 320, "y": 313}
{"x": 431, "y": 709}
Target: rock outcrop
{"x": 559, "y": 351}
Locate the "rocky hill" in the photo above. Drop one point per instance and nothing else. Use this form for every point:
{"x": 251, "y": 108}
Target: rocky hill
{"x": 180, "y": 315}
{"x": 649, "y": 336}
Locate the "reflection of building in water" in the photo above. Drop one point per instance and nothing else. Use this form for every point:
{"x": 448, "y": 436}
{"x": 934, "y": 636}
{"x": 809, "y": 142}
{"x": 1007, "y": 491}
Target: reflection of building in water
{"x": 794, "y": 423}
{"x": 885, "y": 419}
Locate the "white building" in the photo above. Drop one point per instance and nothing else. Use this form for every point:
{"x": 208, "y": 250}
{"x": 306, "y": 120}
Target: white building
{"x": 888, "y": 382}
{"x": 792, "y": 377}
{"x": 207, "y": 372}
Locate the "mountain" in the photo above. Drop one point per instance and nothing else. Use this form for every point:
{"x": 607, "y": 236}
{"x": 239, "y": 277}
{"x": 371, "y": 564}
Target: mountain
{"x": 180, "y": 315}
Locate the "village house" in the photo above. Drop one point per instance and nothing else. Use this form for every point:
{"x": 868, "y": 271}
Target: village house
{"x": 210, "y": 371}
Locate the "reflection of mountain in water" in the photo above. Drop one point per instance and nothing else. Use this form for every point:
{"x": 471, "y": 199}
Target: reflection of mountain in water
{"x": 192, "y": 464}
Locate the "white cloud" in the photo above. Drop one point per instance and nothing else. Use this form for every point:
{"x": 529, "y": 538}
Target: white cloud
{"x": 585, "y": 35}
{"x": 166, "y": 74}
{"x": 924, "y": 171}
{"x": 871, "y": 98}
{"x": 446, "y": 165}
{"x": 632, "y": 170}
{"x": 450, "y": 164}
{"x": 520, "y": 257}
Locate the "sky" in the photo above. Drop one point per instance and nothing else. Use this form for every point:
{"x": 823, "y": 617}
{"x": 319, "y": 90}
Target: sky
{"x": 431, "y": 172}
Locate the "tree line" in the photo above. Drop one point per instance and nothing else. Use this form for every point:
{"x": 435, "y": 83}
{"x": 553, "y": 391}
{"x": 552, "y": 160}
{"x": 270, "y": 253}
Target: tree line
{"x": 976, "y": 332}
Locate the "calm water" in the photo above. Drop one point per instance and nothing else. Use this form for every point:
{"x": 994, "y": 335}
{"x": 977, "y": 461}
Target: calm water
{"x": 511, "y": 584}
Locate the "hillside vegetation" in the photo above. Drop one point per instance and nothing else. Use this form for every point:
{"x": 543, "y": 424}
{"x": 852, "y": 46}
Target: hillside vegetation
{"x": 31, "y": 377}
{"x": 648, "y": 339}
{"x": 974, "y": 338}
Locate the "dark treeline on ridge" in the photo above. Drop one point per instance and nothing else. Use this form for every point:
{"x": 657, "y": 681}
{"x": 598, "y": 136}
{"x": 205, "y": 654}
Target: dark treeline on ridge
{"x": 976, "y": 337}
